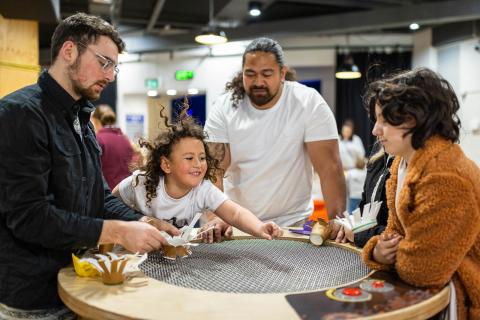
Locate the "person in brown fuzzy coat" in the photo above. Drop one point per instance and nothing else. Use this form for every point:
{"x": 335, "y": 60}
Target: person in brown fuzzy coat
{"x": 433, "y": 194}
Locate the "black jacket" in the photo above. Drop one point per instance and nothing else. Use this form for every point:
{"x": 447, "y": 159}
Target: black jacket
{"x": 375, "y": 171}
{"x": 53, "y": 197}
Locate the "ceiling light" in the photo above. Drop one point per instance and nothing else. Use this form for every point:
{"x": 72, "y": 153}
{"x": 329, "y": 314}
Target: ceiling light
{"x": 211, "y": 35}
{"x": 348, "y": 70}
{"x": 192, "y": 91}
{"x": 171, "y": 92}
{"x": 152, "y": 93}
{"x": 254, "y": 8}
{"x": 414, "y": 26}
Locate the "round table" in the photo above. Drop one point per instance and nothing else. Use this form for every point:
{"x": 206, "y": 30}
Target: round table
{"x": 143, "y": 297}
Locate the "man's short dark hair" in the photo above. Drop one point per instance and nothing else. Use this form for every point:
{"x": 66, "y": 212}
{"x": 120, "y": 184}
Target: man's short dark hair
{"x": 83, "y": 28}
{"x": 420, "y": 95}
{"x": 265, "y": 45}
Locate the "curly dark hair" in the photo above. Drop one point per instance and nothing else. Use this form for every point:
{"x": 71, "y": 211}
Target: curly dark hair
{"x": 184, "y": 127}
{"x": 421, "y": 95}
{"x": 83, "y": 28}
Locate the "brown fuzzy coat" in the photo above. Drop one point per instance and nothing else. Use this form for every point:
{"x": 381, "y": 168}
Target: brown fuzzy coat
{"x": 439, "y": 217}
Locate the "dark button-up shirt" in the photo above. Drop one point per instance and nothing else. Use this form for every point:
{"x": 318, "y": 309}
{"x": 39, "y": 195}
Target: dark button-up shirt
{"x": 53, "y": 197}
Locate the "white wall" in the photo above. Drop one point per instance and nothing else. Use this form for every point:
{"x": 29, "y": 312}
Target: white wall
{"x": 131, "y": 96}
{"x": 459, "y": 63}
{"x": 469, "y": 95}
{"x": 424, "y": 55}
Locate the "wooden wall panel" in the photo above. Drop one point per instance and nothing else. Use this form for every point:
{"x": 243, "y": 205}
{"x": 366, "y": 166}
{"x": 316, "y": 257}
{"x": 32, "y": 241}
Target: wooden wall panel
{"x": 19, "y": 51}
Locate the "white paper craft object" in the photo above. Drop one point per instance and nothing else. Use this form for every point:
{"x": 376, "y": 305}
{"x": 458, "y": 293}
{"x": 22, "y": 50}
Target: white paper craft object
{"x": 358, "y": 223}
{"x": 113, "y": 267}
{"x": 180, "y": 245}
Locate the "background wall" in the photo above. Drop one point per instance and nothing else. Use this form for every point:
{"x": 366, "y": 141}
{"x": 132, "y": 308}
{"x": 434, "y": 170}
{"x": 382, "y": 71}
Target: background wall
{"x": 18, "y": 54}
{"x": 459, "y": 63}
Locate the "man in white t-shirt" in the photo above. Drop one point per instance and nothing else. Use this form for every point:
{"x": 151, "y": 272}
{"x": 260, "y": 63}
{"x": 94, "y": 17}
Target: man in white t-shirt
{"x": 270, "y": 134}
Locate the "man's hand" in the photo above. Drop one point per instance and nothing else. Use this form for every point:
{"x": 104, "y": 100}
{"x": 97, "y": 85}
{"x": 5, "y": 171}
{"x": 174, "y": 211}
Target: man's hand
{"x": 135, "y": 236}
{"x": 269, "y": 230}
{"x": 385, "y": 251}
{"x": 161, "y": 225}
{"x": 221, "y": 228}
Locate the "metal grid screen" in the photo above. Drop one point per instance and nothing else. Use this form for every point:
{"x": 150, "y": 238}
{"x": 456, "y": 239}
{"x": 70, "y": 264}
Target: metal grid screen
{"x": 258, "y": 266}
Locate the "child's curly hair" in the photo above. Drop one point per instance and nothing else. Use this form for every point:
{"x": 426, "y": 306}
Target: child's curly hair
{"x": 184, "y": 127}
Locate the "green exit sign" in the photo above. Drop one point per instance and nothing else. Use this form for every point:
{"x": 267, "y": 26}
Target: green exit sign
{"x": 184, "y": 75}
{"x": 151, "y": 84}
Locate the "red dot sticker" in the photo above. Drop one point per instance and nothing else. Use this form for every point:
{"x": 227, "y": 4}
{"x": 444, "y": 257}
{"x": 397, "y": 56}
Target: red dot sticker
{"x": 378, "y": 284}
{"x": 352, "y": 292}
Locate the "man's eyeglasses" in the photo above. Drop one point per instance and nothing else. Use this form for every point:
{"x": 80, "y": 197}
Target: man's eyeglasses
{"x": 105, "y": 62}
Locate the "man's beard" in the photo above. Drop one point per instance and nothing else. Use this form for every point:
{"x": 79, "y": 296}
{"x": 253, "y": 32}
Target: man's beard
{"x": 260, "y": 100}
{"x": 86, "y": 92}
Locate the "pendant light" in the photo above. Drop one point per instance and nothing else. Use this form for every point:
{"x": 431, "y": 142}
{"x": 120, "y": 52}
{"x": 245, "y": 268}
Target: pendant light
{"x": 211, "y": 35}
{"x": 348, "y": 70}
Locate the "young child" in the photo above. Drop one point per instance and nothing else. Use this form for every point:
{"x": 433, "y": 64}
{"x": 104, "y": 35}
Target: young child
{"x": 176, "y": 181}
{"x": 433, "y": 194}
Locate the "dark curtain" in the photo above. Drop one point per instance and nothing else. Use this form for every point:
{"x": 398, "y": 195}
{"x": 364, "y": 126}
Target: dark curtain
{"x": 349, "y": 104}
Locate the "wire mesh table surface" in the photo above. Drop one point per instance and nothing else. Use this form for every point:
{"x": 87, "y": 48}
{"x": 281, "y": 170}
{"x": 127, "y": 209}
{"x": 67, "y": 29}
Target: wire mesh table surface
{"x": 259, "y": 266}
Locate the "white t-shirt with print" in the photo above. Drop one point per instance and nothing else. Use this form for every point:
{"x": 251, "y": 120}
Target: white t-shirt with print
{"x": 203, "y": 197}
{"x": 270, "y": 172}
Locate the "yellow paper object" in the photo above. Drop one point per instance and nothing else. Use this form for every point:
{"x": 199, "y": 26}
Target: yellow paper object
{"x": 84, "y": 268}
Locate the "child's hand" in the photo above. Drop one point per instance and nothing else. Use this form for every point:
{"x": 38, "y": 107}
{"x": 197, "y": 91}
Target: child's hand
{"x": 221, "y": 228}
{"x": 269, "y": 230}
{"x": 386, "y": 249}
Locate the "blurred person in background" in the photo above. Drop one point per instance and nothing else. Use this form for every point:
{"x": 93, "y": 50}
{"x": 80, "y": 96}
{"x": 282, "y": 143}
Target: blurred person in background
{"x": 117, "y": 151}
{"x": 351, "y": 146}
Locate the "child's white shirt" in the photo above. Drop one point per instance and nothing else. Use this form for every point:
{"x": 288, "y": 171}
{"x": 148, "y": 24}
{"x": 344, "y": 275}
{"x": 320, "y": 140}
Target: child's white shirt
{"x": 203, "y": 197}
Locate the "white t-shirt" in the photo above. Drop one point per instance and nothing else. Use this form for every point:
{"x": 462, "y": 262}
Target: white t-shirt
{"x": 350, "y": 151}
{"x": 355, "y": 181}
{"x": 270, "y": 172}
{"x": 203, "y": 197}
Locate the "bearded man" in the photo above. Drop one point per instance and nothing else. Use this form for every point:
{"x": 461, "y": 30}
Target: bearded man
{"x": 53, "y": 198}
{"x": 270, "y": 134}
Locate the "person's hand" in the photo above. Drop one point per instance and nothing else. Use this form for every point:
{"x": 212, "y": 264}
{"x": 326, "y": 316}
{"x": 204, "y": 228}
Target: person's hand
{"x": 385, "y": 251}
{"x": 161, "y": 225}
{"x": 269, "y": 230}
{"x": 220, "y": 228}
{"x": 349, "y": 234}
{"x": 338, "y": 232}
{"x": 136, "y": 236}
